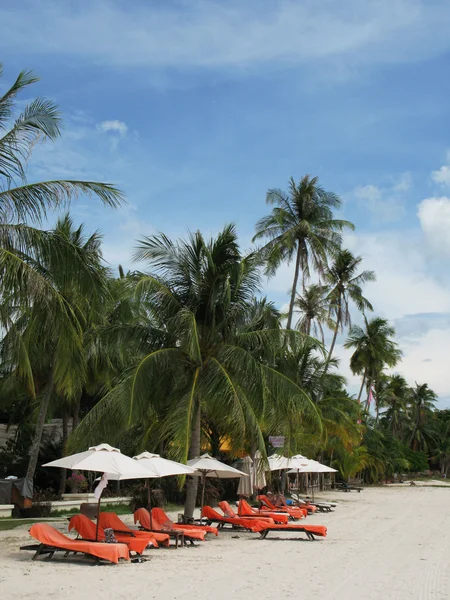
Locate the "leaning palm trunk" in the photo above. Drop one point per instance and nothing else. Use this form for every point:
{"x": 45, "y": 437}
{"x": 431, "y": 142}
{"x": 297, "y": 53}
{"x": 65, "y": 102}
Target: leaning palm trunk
{"x": 362, "y": 385}
{"x": 192, "y": 482}
{"x": 294, "y": 288}
{"x": 36, "y": 444}
{"x": 333, "y": 342}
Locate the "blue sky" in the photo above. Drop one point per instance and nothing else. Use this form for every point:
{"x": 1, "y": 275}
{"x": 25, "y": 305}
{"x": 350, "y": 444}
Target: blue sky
{"x": 196, "y": 108}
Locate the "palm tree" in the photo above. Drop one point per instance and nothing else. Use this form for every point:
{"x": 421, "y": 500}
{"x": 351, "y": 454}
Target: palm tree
{"x": 301, "y": 227}
{"x": 21, "y": 244}
{"x": 349, "y": 463}
{"x": 44, "y": 344}
{"x": 422, "y": 403}
{"x": 345, "y": 284}
{"x": 26, "y": 253}
{"x": 374, "y": 350}
{"x": 207, "y": 368}
{"x": 394, "y": 393}
{"x": 314, "y": 311}
{"x": 441, "y": 440}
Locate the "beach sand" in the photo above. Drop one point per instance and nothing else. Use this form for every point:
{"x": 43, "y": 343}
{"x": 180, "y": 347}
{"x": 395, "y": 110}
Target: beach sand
{"x": 382, "y": 543}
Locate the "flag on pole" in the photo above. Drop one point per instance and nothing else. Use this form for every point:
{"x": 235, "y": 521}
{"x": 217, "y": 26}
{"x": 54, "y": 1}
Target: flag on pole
{"x": 369, "y": 397}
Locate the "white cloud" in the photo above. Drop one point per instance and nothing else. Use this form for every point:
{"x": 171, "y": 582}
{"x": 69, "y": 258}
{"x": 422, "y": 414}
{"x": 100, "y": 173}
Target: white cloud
{"x": 442, "y": 175}
{"x": 387, "y": 204}
{"x": 118, "y": 127}
{"x": 231, "y": 34}
{"x": 434, "y": 217}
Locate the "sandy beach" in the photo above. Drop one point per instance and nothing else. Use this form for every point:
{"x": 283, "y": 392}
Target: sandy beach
{"x": 382, "y": 543}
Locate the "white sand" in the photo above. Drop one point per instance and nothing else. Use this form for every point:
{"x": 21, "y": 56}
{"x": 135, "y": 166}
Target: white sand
{"x": 383, "y": 543}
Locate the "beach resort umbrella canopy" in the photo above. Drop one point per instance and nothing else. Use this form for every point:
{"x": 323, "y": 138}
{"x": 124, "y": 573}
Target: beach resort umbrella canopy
{"x": 298, "y": 462}
{"x": 278, "y": 462}
{"x": 310, "y": 466}
{"x": 245, "y": 483}
{"x": 207, "y": 466}
{"x": 258, "y": 476}
{"x": 104, "y": 459}
{"x": 162, "y": 467}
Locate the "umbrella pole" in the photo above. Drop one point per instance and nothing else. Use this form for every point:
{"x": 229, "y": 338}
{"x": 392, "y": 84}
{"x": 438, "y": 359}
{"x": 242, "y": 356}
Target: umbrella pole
{"x": 203, "y": 495}
{"x": 98, "y": 518}
{"x": 149, "y": 502}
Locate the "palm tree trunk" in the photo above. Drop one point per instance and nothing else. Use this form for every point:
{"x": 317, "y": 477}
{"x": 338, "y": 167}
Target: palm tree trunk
{"x": 294, "y": 288}
{"x": 369, "y": 387}
{"x": 65, "y": 435}
{"x": 362, "y": 385}
{"x": 36, "y": 444}
{"x": 192, "y": 482}
{"x": 333, "y": 342}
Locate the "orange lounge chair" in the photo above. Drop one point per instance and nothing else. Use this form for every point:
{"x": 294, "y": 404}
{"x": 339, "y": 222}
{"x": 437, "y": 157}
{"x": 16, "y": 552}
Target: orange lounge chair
{"x": 230, "y": 514}
{"x": 311, "y": 508}
{"x": 191, "y": 532}
{"x": 162, "y": 517}
{"x": 143, "y": 517}
{"x": 213, "y": 516}
{"x": 86, "y": 529}
{"x": 245, "y": 510}
{"x": 52, "y": 541}
{"x": 294, "y": 513}
{"x": 110, "y": 519}
{"x": 310, "y": 530}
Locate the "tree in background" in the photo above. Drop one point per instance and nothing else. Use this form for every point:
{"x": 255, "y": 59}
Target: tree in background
{"x": 208, "y": 368}
{"x": 374, "y": 349}
{"x": 345, "y": 284}
{"x": 313, "y": 309}
{"x": 301, "y": 227}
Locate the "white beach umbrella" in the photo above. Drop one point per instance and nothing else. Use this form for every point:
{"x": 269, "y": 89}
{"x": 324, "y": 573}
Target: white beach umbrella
{"x": 104, "y": 459}
{"x": 245, "y": 483}
{"x": 207, "y": 466}
{"x": 258, "y": 476}
{"x": 278, "y": 463}
{"x": 163, "y": 467}
{"x": 309, "y": 466}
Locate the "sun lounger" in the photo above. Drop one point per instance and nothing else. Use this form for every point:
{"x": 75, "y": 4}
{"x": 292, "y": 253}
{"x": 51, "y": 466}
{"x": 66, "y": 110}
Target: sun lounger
{"x": 295, "y": 513}
{"x": 212, "y": 516}
{"x": 245, "y": 510}
{"x": 142, "y": 516}
{"x": 345, "y": 487}
{"x": 310, "y": 530}
{"x": 162, "y": 517}
{"x": 321, "y": 506}
{"x": 51, "y": 541}
{"x": 86, "y": 529}
{"x": 310, "y": 508}
{"x": 111, "y": 520}
{"x": 231, "y": 514}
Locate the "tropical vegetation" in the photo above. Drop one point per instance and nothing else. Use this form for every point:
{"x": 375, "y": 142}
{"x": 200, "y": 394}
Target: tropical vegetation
{"x": 188, "y": 354}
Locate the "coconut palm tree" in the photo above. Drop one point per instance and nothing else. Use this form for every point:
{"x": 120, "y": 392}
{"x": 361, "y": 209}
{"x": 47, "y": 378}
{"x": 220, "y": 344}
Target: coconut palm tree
{"x": 393, "y": 393}
{"x": 22, "y": 202}
{"x": 345, "y": 284}
{"x": 301, "y": 227}
{"x": 422, "y": 403}
{"x": 314, "y": 311}
{"x": 44, "y": 345}
{"x": 208, "y": 367}
{"x": 373, "y": 350}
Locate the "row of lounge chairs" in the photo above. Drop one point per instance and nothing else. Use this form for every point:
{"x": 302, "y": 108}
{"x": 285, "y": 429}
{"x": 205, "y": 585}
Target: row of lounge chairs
{"x": 159, "y": 530}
